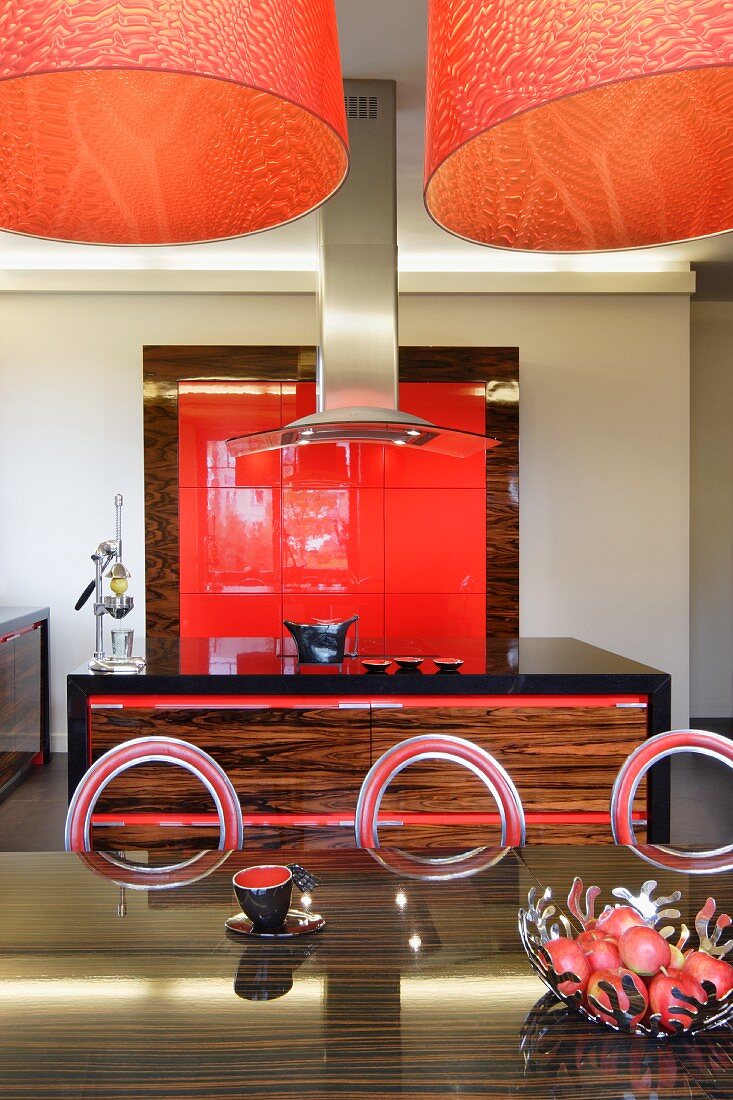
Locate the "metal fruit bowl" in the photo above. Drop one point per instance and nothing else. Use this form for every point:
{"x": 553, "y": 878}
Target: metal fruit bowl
{"x": 542, "y": 921}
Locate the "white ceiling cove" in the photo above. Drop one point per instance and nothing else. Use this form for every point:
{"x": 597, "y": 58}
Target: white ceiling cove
{"x": 380, "y": 40}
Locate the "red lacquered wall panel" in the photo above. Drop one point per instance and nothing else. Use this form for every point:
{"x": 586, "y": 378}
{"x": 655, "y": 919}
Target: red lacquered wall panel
{"x": 248, "y": 616}
{"x": 435, "y": 540}
{"x": 302, "y": 608}
{"x": 450, "y": 404}
{"x": 436, "y": 615}
{"x": 208, "y": 414}
{"x": 340, "y": 464}
{"x": 333, "y": 540}
{"x": 230, "y": 540}
{"x": 398, "y": 538}
{"x": 334, "y": 466}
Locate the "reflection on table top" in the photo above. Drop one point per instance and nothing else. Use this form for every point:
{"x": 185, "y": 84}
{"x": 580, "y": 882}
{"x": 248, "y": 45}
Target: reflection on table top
{"x": 413, "y": 988}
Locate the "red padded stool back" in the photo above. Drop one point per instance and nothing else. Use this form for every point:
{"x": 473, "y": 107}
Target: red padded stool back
{"x": 149, "y": 750}
{"x": 656, "y": 748}
{"x": 438, "y": 747}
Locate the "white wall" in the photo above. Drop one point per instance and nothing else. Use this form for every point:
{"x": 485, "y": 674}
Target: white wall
{"x": 711, "y": 532}
{"x": 604, "y": 464}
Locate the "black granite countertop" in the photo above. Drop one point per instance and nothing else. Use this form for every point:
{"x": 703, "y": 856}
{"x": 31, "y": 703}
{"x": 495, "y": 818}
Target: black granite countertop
{"x": 249, "y": 666}
{"x": 18, "y": 618}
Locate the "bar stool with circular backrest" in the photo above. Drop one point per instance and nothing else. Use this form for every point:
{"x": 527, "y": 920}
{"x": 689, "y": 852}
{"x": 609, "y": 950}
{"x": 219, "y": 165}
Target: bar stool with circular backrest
{"x": 659, "y": 747}
{"x": 151, "y": 750}
{"x": 438, "y": 747}
{"x": 439, "y": 868}
{"x": 143, "y": 876}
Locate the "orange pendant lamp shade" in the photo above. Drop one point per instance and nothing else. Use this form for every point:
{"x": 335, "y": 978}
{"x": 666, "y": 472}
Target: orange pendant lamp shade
{"x": 580, "y": 125}
{"x": 167, "y": 121}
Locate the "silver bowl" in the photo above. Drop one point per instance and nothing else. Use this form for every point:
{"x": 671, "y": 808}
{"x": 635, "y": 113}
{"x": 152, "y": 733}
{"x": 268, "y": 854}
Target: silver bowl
{"x": 541, "y": 922}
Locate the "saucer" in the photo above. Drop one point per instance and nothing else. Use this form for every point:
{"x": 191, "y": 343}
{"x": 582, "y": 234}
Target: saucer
{"x": 409, "y": 662}
{"x": 377, "y": 664}
{"x": 297, "y": 923}
{"x": 448, "y": 664}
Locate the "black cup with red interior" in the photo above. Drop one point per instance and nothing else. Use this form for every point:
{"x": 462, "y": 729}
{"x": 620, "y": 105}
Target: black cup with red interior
{"x": 264, "y": 893}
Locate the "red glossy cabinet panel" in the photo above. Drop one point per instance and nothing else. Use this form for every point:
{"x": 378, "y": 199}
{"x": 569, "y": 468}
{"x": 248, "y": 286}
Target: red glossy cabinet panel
{"x": 451, "y": 405}
{"x": 398, "y": 538}
{"x": 427, "y": 615}
{"x": 230, "y": 540}
{"x": 204, "y": 616}
{"x": 333, "y": 540}
{"x": 303, "y": 608}
{"x": 435, "y": 540}
{"x": 334, "y": 465}
{"x": 209, "y": 413}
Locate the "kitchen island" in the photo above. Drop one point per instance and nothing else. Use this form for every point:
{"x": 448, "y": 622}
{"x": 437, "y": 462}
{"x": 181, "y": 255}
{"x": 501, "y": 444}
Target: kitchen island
{"x": 559, "y": 714}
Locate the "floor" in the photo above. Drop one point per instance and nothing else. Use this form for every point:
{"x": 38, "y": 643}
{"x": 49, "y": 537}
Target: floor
{"x": 702, "y": 794}
{"x": 32, "y": 817}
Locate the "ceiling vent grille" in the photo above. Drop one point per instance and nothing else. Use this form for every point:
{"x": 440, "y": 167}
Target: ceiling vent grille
{"x": 361, "y": 106}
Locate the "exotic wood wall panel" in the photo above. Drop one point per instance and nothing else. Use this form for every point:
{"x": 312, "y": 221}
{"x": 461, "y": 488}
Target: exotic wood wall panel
{"x": 497, "y": 369}
{"x": 561, "y": 758}
{"x": 280, "y": 761}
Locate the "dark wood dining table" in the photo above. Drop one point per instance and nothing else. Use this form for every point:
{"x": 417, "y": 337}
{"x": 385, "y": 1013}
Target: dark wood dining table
{"x": 414, "y": 986}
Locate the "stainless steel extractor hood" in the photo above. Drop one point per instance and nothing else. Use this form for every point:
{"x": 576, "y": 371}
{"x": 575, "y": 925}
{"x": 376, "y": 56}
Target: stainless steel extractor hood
{"x": 357, "y": 368}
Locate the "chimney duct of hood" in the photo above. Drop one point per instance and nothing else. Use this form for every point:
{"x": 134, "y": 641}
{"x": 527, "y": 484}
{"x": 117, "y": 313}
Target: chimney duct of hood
{"x": 357, "y": 365}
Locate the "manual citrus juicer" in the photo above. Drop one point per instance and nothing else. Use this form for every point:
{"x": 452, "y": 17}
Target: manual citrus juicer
{"x": 118, "y": 605}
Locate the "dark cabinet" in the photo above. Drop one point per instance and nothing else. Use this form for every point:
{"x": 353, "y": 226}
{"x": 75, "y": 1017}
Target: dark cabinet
{"x": 303, "y": 761}
{"x": 561, "y": 758}
{"x": 7, "y": 705}
{"x": 281, "y": 760}
{"x": 28, "y": 700}
{"x": 21, "y": 703}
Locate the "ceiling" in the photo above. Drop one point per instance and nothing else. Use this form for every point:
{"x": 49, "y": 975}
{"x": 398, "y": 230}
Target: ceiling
{"x": 380, "y": 39}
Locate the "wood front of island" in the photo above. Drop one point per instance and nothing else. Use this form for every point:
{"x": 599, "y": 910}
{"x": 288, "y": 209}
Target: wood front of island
{"x": 301, "y": 761}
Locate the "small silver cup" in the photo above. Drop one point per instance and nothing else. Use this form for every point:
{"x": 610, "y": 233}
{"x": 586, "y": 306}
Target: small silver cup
{"x": 122, "y": 638}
